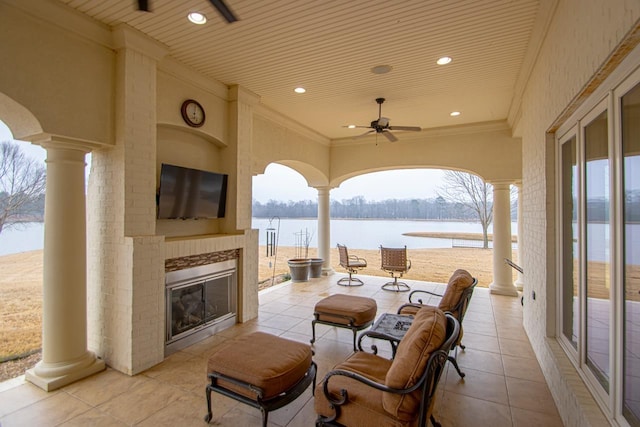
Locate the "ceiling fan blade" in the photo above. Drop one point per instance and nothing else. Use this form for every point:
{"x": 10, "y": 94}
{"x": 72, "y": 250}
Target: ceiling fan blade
{"x": 357, "y": 127}
{"x": 391, "y": 137}
{"x": 411, "y": 128}
{"x": 143, "y": 5}
{"x": 364, "y": 134}
{"x": 224, "y": 10}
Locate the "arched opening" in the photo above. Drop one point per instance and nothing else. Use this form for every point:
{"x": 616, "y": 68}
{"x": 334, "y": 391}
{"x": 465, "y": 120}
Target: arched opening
{"x": 22, "y": 199}
{"x": 284, "y": 209}
{"x": 22, "y": 176}
{"x": 393, "y": 208}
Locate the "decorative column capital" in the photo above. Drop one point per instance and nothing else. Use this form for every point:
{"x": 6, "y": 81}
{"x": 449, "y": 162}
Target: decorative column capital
{"x": 49, "y": 142}
{"x": 501, "y": 185}
{"x": 323, "y": 190}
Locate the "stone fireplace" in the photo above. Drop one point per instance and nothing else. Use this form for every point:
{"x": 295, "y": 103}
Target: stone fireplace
{"x": 200, "y": 297}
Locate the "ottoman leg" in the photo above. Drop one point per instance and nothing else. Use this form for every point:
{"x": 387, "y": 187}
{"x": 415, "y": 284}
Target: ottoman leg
{"x": 313, "y": 331}
{"x": 209, "y": 415}
{"x": 265, "y": 415}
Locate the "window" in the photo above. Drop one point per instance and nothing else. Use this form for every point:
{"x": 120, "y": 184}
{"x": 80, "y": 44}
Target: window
{"x": 631, "y": 253}
{"x": 598, "y": 186}
{"x": 597, "y": 243}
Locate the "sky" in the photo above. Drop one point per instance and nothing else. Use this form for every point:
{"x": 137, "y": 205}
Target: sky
{"x": 34, "y": 151}
{"x": 284, "y": 184}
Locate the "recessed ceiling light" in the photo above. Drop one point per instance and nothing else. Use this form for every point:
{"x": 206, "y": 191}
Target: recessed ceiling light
{"x": 444, "y": 60}
{"x": 381, "y": 69}
{"x": 351, "y": 126}
{"x": 299, "y": 90}
{"x": 455, "y": 113}
{"x": 197, "y": 18}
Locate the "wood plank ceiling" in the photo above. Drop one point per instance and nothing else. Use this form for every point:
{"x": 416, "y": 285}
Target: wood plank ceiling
{"x": 330, "y": 47}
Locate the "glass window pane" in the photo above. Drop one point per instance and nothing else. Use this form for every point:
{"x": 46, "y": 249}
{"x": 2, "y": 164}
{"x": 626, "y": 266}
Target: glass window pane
{"x": 631, "y": 212}
{"x": 597, "y": 242}
{"x": 570, "y": 270}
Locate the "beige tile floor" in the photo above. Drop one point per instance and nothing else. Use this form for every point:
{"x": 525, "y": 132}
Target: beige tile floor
{"x": 503, "y": 386}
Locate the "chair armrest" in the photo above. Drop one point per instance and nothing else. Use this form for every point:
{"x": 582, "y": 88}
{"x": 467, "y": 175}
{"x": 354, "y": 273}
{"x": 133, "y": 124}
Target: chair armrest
{"x": 424, "y": 292}
{"x": 393, "y": 341}
{"x": 362, "y": 379}
{"x": 443, "y": 355}
{"x": 410, "y": 304}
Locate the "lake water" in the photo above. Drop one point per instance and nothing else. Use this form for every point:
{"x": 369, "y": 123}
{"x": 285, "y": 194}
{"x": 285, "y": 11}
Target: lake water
{"x": 354, "y": 233}
{"x": 357, "y": 234}
{"x": 368, "y": 234}
{"x": 27, "y": 237}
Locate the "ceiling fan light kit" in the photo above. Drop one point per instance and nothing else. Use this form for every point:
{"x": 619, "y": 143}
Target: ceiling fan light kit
{"x": 381, "y": 125}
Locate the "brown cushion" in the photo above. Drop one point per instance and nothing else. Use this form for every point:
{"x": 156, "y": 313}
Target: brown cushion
{"x": 272, "y": 363}
{"x": 458, "y": 282}
{"x": 364, "y": 407}
{"x": 425, "y": 335}
{"x": 367, "y": 364}
{"x": 410, "y": 309}
{"x": 334, "y": 307}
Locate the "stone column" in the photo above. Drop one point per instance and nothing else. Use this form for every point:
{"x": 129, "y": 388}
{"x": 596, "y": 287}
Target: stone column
{"x": 520, "y": 278}
{"x": 324, "y": 229}
{"x": 65, "y": 357}
{"x": 501, "y": 241}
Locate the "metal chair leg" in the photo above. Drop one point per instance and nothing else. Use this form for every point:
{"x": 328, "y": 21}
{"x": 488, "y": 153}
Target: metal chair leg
{"x": 455, "y": 365}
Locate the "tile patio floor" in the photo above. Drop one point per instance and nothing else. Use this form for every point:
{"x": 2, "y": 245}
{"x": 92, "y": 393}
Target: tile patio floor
{"x": 503, "y": 386}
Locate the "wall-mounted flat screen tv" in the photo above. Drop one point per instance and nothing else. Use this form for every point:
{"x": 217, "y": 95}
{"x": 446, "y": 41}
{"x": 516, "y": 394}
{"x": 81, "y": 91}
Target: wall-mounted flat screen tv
{"x": 187, "y": 193}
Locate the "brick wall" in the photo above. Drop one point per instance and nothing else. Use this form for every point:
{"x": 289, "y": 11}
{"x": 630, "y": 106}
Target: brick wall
{"x": 125, "y": 258}
{"x": 581, "y": 37}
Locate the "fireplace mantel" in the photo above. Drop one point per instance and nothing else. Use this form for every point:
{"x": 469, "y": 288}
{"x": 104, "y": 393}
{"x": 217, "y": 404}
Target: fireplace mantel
{"x": 178, "y": 247}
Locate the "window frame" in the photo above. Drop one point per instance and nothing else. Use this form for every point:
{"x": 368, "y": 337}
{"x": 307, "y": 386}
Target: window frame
{"x": 564, "y": 342}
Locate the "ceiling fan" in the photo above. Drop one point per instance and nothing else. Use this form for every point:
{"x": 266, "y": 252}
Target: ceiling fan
{"x": 221, "y": 7}
{"x": 381, "y": 125}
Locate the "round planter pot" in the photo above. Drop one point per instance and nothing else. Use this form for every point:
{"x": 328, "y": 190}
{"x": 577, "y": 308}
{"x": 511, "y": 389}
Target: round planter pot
{"x": 299, "y": 268}
{"x": 316, "y": 267}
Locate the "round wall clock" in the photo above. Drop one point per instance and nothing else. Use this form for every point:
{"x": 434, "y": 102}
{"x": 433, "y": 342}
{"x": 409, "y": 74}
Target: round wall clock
{"x": 192, "y": 113}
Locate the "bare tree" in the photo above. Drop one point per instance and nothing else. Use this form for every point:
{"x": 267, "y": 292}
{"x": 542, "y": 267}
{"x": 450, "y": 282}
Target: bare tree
{"x": 470, "y": 192}
{"x": 22, "y": 183}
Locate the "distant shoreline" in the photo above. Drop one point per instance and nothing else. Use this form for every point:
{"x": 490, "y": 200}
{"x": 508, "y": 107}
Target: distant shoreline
{"x": 370, "y": 219}
{"x": 453, "y": 235}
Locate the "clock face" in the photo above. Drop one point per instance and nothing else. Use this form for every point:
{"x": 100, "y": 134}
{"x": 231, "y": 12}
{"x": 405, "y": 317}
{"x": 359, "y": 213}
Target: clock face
{"x": 192, "y": 113}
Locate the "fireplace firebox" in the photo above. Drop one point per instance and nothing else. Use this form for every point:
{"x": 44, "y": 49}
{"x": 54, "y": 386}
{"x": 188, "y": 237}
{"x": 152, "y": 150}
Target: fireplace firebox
{"x": 200, "y": 301}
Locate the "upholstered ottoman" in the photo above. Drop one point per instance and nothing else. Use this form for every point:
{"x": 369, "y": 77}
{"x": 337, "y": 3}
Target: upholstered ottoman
{"x": 261, "y": 370}
{"x": 345, "y": 311}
